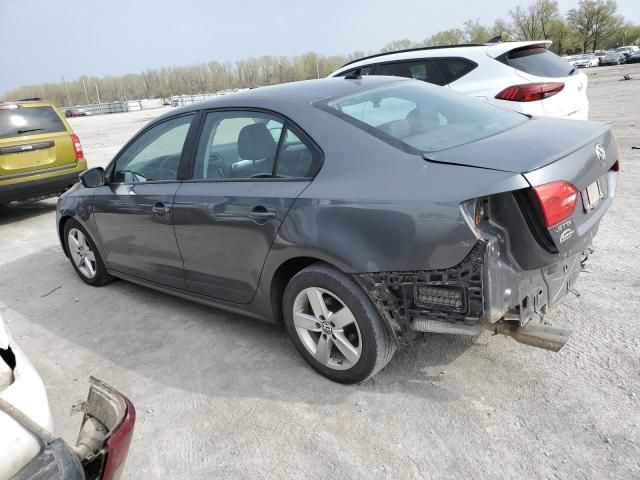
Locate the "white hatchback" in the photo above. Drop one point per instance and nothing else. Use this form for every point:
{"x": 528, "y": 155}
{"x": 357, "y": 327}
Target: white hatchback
{"x": 522, "y": 76}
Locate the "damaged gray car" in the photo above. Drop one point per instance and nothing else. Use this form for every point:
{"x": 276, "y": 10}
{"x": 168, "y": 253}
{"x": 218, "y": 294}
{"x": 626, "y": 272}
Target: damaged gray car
{"x": 359, "y": 211}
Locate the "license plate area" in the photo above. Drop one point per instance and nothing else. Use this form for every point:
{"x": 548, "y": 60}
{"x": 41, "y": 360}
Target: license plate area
{"x": 591, "y": 196}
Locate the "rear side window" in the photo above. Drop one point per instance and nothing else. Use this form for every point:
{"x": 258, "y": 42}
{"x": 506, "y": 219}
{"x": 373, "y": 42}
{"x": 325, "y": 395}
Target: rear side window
{"x": 241, "y": 145}
{"x": 18, "y": 122}
{"x": 423, "y": 70}
{"x": 537, "y": 61}
{"x": 454, "y": 68}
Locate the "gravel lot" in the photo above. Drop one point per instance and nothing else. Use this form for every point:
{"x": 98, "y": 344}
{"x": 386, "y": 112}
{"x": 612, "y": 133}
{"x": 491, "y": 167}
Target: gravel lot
{"x": 222, "y": 396}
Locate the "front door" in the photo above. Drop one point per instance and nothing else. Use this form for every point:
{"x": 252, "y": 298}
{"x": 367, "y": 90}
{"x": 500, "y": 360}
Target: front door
{"x": 249, "y": 169}
{"x": 134, "y": 211}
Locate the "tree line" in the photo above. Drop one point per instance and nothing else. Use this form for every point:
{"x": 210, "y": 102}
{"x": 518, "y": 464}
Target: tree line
{"x": 591, "y": 25}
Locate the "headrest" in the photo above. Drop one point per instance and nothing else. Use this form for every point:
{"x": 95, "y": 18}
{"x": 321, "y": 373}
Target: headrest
{"x": 255, "y": 142}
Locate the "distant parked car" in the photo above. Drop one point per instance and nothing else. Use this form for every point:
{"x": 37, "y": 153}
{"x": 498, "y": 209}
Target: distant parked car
{"x": 587, "y": 60}
{"x": 357, "y": 210}
{"x": 76, "y": 112}
{"x": 600, "y": 54}
{"x": 571, "y": 59}
{"x": 628, "y": 50}
{"x": 521, "y": 76}
{"x": 40, "y": 155}
{"x": 614, "y": 58}
{"x": 28, "y": 448}
{"x": 634, "y": 58}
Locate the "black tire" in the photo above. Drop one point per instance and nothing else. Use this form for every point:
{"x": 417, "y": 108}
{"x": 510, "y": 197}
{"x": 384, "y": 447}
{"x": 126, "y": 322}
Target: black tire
{"x": 101, "y": 276}
{"x": 377, "y": 344}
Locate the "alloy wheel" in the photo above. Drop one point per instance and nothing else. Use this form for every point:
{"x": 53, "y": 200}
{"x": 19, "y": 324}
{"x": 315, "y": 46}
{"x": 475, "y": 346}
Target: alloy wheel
{"x": 81, "y": 253}
{"x": 327, "y": 328}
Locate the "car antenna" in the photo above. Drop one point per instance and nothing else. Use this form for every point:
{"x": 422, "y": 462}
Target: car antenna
{"x": 497, "y": 39}
{"x": 355, "y": 75}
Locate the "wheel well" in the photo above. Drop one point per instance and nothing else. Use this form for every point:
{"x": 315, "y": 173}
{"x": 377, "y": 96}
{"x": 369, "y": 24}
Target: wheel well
{"x": 281, "y": 278}
{"x": 63, "y": 222}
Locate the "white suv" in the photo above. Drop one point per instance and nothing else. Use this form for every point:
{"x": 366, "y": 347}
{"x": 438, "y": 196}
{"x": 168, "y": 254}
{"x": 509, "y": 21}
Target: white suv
{"x": 521, "y": 76}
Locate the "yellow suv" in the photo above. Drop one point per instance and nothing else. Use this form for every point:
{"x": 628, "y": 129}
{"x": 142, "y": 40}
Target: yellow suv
{"x": 40, "y": 156}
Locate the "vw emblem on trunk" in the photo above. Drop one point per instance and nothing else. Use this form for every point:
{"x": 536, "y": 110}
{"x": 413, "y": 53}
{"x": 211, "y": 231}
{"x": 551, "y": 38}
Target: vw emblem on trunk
{"x": 601, "y": 154}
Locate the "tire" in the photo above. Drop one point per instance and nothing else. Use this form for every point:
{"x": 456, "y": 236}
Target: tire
{"x": 84, "y": 255}
{"x": 358, "y": 331}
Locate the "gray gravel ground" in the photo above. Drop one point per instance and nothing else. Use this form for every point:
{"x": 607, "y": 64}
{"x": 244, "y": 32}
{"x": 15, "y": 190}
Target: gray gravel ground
{"x": 222, "y": 396}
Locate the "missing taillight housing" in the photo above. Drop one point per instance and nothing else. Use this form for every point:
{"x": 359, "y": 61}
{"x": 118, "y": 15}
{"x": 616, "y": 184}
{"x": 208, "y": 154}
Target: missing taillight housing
{"x": 530, "y": 92}
{"x": 557, "y": 200}
{"x": 77, "y": 146}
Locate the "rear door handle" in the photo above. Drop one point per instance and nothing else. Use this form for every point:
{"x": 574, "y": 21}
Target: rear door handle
{"x": 262, "y": 215}
{"x": 160, "y": 209}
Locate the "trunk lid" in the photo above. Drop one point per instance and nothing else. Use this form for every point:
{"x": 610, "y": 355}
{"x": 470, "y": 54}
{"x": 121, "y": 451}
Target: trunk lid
{"x": 526, "y": 147}
{"x": 545, "y": 151}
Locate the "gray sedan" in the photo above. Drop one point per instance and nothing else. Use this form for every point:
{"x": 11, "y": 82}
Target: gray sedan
{"x": 360, "y": 212}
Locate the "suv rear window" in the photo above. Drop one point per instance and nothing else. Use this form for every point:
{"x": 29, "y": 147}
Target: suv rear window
{"x": 420, "y": 118}
{"x": 537, "y": 61}
{"x": 17, "y": 122}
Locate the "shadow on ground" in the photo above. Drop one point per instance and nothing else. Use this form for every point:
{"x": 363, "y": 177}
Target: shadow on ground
{"x": 196, "y": 348}
{"x": 24, "y": 211}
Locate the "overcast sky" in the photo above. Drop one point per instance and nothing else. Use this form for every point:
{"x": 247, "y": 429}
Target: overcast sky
{"x": 43, "y": 39}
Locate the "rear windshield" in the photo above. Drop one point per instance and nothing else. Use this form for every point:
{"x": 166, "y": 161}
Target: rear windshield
{"x": 421, "y": 118}
{"x": 537, "y": 61}
{"x": 17, "y": 122}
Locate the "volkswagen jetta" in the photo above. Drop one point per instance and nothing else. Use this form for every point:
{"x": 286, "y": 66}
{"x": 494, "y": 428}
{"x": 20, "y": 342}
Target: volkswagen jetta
{"x": 358, "y": 211}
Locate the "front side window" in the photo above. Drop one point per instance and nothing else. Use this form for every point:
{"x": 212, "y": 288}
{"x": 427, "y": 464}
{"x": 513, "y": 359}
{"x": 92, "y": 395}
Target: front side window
{"x": 240, "y": 145}
{"x": 423, "y": 70}
{"x": 154, "y": 155}
{"x": 421, "y": 118}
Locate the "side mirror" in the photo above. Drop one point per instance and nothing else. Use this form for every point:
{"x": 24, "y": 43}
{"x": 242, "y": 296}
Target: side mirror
{"x": 92, "y": 178}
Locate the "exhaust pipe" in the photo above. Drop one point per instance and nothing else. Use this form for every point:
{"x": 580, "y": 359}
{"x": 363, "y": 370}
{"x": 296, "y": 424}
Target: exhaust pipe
{"x": 541, "y": 336}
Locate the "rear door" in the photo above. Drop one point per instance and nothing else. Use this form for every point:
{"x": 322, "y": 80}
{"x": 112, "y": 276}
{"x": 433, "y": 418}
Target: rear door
{"x": 536, "y": 64}
{"x": 134, "y": 211}
{"x": 33, "y": 139}
{"x": 249, "y": 168}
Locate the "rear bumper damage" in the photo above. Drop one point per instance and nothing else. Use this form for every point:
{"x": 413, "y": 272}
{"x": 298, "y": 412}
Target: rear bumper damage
{"x": 486, "y": 290}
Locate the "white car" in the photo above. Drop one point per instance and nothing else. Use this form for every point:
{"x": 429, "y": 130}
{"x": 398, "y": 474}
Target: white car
{"x": 522, "y": 76}
{"x": 587, "y": 60}
{"x": 28, "y": 448}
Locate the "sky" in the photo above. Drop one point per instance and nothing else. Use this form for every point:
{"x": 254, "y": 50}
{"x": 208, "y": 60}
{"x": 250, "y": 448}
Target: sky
{"x": 41, "y": 40}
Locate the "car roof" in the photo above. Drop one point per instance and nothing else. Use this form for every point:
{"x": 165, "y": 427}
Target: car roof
{"x": 301, "y": 93}
{"x": 492, "y": 49}
{"x": 27, "y": 103}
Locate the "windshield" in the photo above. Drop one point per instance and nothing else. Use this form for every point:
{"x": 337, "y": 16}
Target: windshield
{"x": 16, "y": 122}
{"x": 416, "y": 116}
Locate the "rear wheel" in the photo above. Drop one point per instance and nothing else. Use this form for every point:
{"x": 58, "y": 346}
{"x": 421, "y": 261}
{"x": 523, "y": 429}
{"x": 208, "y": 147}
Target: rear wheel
{"x": 84, "y": 255}
{"x": 335, "y": 326}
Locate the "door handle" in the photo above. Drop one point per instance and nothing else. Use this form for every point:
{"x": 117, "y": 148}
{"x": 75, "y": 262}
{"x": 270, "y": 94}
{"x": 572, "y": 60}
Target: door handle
{"x": 160, "y": 209}
{"x": 262, "y": 215}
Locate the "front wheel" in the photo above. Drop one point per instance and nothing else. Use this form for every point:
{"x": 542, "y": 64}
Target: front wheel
{"x": 84, "y": 255}
{"x": 335, "y": 326}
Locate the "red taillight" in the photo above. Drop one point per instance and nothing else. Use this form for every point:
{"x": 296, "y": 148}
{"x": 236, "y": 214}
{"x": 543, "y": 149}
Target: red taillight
{"x": 118, "y": 445}
{"x": 558, "y": 201}
{"x": 530, "y": 92}
{"x": 77, "y": 146}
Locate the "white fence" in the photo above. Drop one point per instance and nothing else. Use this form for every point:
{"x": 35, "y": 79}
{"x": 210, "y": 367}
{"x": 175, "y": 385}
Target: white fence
{"x": 148, "y": 103}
